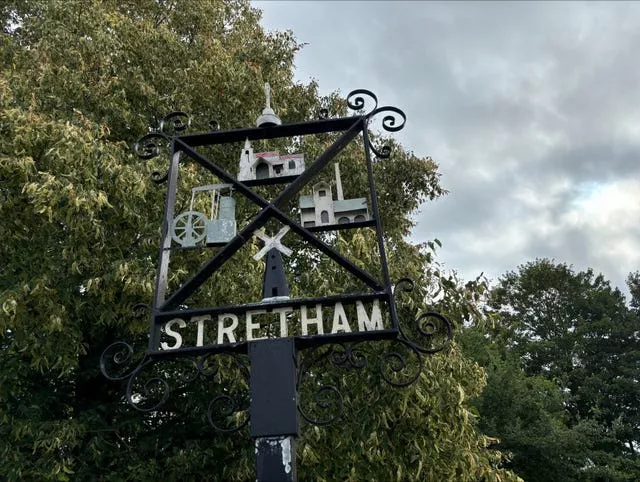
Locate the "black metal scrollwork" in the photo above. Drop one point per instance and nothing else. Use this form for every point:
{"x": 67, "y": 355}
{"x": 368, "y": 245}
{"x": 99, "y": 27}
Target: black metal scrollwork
{"x": 150, "y": 146}
{"x": 383, "y": 152}
{"x": 397, "y": 369}
{"x": 154, "y": 143}
{"x": 229, "y": 411}
{"x": 329, "y": 401}
{"x": 348, "y": 355}
{"x": 394, "y": 121}
{"x": 356, "y": 101}
{"x": 432, "y": 332}
{"x": 326, "y": 403}
{"x": 174, "y": 123}
{"x": 228, "y": 414}
{"x": 116, "y": 361}
{"x": 150, "y": 383}
{"x": 147, "y": 395}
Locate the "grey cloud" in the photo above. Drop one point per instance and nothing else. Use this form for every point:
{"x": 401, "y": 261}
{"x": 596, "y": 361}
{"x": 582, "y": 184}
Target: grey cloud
{"x": 524, "y": 105}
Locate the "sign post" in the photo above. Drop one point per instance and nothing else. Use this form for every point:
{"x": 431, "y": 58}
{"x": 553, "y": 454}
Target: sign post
{"x": 266, "y": 339}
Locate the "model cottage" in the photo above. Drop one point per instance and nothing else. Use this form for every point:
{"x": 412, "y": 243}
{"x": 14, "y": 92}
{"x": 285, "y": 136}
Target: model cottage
{"x": 320, "y": 209}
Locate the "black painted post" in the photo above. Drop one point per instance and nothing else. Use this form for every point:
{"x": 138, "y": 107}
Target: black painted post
{"x": 274, "y": 406}
{"x": 274, "y": 410}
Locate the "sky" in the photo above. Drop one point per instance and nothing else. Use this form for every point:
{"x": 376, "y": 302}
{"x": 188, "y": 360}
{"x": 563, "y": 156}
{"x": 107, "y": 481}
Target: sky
{"x": 532, "y": 111}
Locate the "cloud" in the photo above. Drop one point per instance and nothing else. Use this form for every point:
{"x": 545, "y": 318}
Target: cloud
{"x": 531, "y": 109}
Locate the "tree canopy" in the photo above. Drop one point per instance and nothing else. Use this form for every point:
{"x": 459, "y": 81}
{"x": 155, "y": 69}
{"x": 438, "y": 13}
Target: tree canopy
{"x": 562, "y": 360}
{"x": 80, "y": 224}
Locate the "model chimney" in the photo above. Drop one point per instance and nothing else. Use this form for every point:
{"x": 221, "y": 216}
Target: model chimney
{"x": 338, "y": 183}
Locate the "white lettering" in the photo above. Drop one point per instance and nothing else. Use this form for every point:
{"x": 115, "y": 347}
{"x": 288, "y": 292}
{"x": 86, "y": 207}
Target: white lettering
{"x": 174, "y": 334}
{"x": 311, "y": 321}
{"x": 200, "y": 320}
{"x": 253, "y": 326}
{"x": 284, "y": 328}
{"x": 310, "y": 318}
{"x": 364, "y": 322}
{"x": 229, "y": 331}
{"x": 340, "y": 322}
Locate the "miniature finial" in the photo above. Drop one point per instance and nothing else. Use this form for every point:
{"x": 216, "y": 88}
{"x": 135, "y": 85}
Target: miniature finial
{"x": 267, "y": 89}
{"x": 268, "y": 117}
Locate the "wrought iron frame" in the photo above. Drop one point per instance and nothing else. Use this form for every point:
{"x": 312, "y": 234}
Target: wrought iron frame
{"x": 347, "y": 350}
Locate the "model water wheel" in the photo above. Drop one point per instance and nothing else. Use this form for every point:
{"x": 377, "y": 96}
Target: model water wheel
{"x": 189, "y": 228}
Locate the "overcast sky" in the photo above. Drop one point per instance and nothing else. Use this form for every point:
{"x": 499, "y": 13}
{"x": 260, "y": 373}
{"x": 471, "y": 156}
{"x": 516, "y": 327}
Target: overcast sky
{"x": 532, "y": 111}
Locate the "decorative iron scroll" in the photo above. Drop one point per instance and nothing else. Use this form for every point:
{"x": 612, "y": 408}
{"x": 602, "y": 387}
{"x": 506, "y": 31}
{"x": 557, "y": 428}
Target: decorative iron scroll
{"x": 356, "y": 101}
{"x": 393, "y": 121}
{"x": 149, "y": 146}
{"x": 151, "y": 382}
{"x": 157, "y": 141}
{"x": 175, "y": 123}
{"x": 229, "y": 411}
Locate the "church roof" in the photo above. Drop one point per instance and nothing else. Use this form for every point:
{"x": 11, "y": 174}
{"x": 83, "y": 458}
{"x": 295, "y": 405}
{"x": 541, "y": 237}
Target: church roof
{"x": 320, "y": 184}
{"x": 345, "y": 205}
{"x": 306, "y": 202}
{"x": 342, "y": 206}
{"x": 270, "y": 157}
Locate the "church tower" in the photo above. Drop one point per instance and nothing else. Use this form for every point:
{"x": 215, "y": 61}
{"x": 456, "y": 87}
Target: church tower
{"x": 245, "y": 172}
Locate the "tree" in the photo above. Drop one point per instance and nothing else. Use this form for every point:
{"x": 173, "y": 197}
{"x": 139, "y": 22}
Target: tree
{"x": 526, "y": 413}
{"x": 80, "y": 226}
{"x": 633, "y": 282}
{"x": 567, "y": 338}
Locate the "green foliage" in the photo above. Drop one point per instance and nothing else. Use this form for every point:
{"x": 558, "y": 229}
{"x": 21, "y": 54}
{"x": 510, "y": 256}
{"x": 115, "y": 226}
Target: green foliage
{"x": 81, "y": 81}
{"x": 562, "y": 364}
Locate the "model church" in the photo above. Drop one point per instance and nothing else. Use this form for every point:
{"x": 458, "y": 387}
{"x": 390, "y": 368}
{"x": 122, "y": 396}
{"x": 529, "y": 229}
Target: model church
{"x": 267, "y": 165}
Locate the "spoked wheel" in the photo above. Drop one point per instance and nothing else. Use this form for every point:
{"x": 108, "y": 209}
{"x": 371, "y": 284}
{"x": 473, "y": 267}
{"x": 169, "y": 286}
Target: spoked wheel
{"x": 189, "y": 228}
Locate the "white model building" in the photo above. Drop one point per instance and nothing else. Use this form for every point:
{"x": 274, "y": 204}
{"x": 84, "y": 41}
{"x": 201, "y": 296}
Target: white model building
{"x": 320, "y": 209}
{"x": 265, "y": 165}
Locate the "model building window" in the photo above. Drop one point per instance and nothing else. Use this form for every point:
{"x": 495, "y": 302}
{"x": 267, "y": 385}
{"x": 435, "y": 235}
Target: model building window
{"x": 292, "y": 164}
{"x": 343, "y": 220}
{"x": 324, "y": 216}
{"x": 322, "y": 193}
{"x": 359, "y": 218}
{"x": 309, "y": 224}
{"x": 277, "y": 168}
